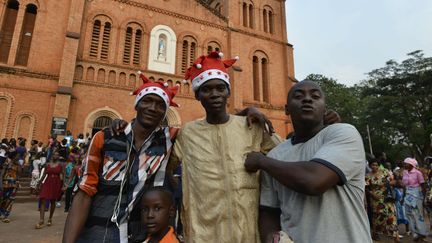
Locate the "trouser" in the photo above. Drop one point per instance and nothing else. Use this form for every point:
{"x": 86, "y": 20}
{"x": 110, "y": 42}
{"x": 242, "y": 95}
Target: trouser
{"x": 102, "y": 234}
{"x": 49, "y": 153}
{"x": 68, "y": 198}
{"x": 178, "y": 225}
{"x": 7, "y": 200}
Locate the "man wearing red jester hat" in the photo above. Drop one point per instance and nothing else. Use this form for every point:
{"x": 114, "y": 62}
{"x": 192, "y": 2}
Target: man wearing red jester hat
{"x": 220, "y": 198}
{"x": 118, "y": 168}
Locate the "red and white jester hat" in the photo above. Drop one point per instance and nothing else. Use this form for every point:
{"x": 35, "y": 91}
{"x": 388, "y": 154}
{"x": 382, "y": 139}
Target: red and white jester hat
{"x": 158, "y": 88}
{"x": 209, "y": 67}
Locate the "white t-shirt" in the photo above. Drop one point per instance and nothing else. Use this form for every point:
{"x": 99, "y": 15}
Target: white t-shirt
{"x": 338, "y": 215}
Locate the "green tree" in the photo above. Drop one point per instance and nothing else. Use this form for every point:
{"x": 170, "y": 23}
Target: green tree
{"x": 398, "y": 98}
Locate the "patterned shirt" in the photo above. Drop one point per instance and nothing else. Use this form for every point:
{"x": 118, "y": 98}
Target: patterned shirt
{"x": 114, "y": 173}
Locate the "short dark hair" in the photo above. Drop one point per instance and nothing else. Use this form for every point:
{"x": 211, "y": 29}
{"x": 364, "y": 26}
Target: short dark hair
{"x": 161, "y": 189}
{"x": 290, "y": 92}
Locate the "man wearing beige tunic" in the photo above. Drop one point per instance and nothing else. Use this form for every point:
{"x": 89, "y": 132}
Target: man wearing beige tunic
{"x": 220, "y": 199}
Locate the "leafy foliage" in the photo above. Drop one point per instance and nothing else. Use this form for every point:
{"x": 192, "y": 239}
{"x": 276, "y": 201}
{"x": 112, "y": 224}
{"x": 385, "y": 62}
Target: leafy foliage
{"x": 395, "y": 101}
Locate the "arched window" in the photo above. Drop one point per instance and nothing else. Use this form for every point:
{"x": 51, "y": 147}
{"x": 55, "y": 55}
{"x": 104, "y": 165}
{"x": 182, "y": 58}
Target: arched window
{"x": 137, "y": 47}
{"x": 189, "y": 50}
{"x": 256, "y": 79}
{"x": 112, "y": 77}
{"x": 245, "y": 14}
{"x": 25, "y": 125}
{"x": 178, "y": 83}
{"x": 122, "y": 79}
{"x": 186, "y": 88}
{"x": 101, "y": 75}
{"x": 127, "y": 46}
{"x": 94, "y": 46}
{"x": 105, "y": 41}
{"x": 271, "y": 24}
{"x": 132, "y": 45}
{"x": 132, "y": 80}
{"x": 260, "y": 82}
{"x": 26, "y": 35}
{"x": 264, "y": 78}
{"x": 7, "y": 30}
{"x": 268, "y": 20}
{"x": 162, "y": 49}
{"x": 213, "y": 46}
{"x": 100, "y": 39}
{"x": 248, "y": 14}
{"x": 78, "y": 72}
{"x": 170, "y": 83}
{"x": 90, "y": 74}
{"x": 251, "y": 16}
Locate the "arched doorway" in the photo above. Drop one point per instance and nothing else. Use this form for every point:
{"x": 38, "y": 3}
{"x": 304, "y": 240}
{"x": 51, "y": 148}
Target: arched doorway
{"x": 172, "y": 118}
{"x": 100, "y": 123}
{"x": 99, "y": 119}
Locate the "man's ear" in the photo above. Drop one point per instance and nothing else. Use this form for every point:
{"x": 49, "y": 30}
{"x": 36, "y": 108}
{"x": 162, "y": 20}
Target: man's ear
{"x": 172, "y": 211}
{"x": 286, "y": 110}
{"x": 197, "y": 95}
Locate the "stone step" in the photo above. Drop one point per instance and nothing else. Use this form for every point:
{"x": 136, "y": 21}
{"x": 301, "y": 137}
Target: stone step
{"x": 23, "y": 193}
{"x": 25, "y": 180}
{"x": 28, "y": 198}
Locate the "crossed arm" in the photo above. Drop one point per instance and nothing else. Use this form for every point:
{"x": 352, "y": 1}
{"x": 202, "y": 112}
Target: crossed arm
{"x": 306, "y": 177}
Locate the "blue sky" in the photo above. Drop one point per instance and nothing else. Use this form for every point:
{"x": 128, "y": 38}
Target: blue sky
{"x": 345, "y": 39}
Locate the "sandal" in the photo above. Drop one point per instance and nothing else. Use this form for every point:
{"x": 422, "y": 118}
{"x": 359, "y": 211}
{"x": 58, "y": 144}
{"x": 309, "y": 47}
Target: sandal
{"x": 39, "y": 225}
{"x": 6, "y": 220}
{"x": 49, "y": 223}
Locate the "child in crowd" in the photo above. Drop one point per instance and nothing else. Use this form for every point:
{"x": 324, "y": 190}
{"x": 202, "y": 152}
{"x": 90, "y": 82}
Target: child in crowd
{"x": 69, "y": 180}
{"x": 35, "y": 174}
{"x": 157, "y": 207}
{"x": 43, "y": 153}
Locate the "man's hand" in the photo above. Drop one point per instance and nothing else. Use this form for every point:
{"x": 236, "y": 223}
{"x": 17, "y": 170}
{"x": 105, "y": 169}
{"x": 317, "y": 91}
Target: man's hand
{"x": 253, "y": 161}
{"x": 331, "y": 117}
{"x": 118, "y": 126}
{"x": 255, "y": 116}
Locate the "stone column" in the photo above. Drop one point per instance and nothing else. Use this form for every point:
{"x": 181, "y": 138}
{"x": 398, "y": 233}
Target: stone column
{"x": 68, "y": 63}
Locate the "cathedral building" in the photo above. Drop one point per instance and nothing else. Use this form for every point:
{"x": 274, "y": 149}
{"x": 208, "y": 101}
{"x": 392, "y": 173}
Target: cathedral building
{"x": 71, "y": 64}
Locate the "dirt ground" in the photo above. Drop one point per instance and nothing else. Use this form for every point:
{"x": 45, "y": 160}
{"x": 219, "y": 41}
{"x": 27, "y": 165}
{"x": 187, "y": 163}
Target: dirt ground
{"x": 24, "y": 217}
{"x": 21, "y": 229}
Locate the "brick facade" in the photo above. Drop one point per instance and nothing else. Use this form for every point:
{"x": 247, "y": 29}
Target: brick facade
{"x": 84, "y": 55}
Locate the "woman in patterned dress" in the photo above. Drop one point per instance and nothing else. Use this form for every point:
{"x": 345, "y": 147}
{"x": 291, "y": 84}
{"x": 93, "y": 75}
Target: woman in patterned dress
{"x": 384, "y": 212}
{"x": 10, "y": 186}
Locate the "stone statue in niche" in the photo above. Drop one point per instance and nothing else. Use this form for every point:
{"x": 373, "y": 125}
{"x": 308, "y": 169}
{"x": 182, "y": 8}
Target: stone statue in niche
{"x": 162, "y": 48}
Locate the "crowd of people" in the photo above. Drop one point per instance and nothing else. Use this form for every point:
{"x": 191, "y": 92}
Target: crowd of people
{"x": 399, "y": 194}
{"x": 54, "y": 168}
{"x": 224, "y": 178}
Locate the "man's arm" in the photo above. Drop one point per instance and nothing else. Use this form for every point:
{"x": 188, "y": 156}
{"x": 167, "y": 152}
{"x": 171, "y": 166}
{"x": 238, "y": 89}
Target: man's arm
{"x": 268, "y": 222}
{"x": 306, "y": 177}
{"x": 87, "y": 189}
{"x": 77, "y": 217}
{"x": 255, "y": 116}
